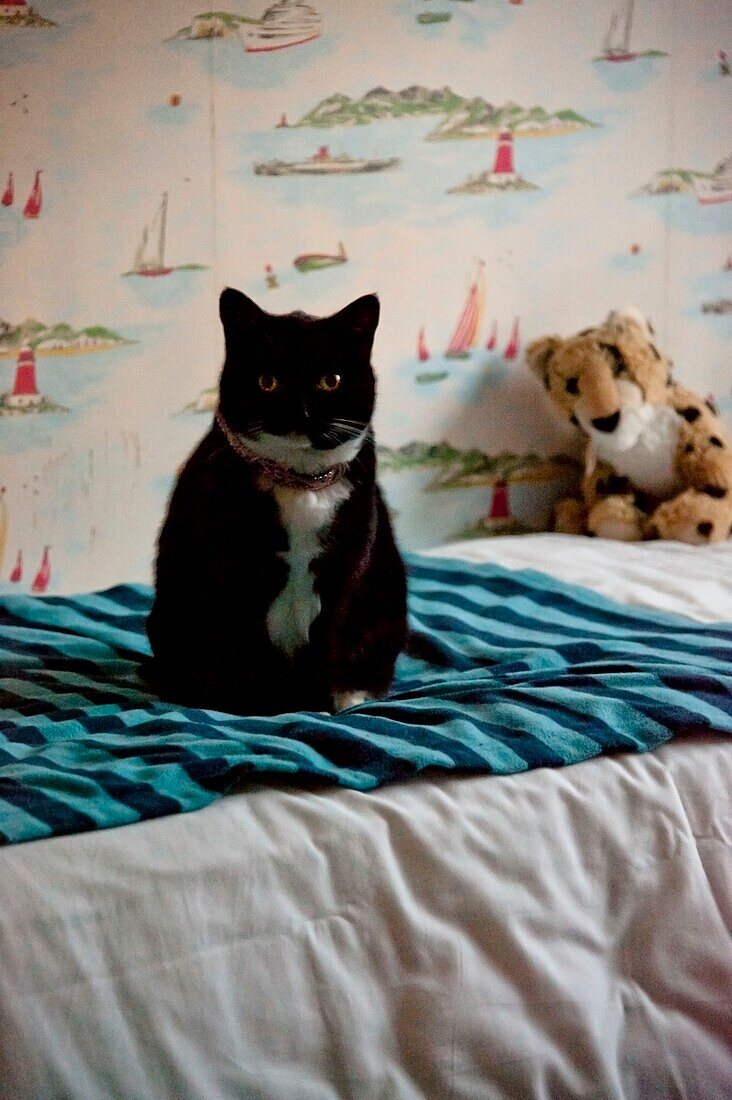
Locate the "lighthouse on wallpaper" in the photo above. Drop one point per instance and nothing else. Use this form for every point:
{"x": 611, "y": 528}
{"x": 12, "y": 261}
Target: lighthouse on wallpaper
{"x": 501, "y": 177}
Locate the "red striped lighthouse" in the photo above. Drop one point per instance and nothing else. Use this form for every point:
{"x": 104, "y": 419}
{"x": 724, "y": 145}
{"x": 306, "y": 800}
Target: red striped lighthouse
{"x": 25, "y": 391}
{"x": 503, "y": 165}
{"x": 499, "y": 506}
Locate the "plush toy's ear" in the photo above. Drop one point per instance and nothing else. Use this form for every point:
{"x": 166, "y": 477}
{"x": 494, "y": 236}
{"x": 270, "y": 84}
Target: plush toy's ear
{"x": 539, "y": 354}
{"x": 621, "y": 320}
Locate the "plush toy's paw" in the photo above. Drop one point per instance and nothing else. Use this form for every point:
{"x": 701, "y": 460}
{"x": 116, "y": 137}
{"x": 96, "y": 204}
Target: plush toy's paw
{"x": 692, "y": 517}
{"x": 569, "y": 516}
{"x": 616, "y": 518}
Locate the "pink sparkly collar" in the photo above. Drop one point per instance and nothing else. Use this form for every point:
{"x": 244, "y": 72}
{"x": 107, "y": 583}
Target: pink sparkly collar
{"x": 277, "y": 471}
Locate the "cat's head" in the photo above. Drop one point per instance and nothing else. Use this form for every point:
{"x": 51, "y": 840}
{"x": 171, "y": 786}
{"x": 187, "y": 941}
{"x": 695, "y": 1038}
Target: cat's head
{"x": 297, "y": 389}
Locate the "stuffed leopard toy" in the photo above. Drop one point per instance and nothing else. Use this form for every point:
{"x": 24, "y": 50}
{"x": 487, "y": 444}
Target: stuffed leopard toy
{"x": 658, "y": 461}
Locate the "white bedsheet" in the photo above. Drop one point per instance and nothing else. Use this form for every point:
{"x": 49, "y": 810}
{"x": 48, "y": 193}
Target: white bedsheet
{"x": 554, "y": 934}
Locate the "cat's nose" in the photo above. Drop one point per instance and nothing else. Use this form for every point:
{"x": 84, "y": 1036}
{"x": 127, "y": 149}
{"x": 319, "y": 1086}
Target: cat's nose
{"x": 606, "y": 423}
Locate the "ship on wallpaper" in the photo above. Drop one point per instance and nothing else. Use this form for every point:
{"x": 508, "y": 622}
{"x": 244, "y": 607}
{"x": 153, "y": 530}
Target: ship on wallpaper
{"x": 324, "y": 163}
{"x": 314, "y": 261}
{"x": 465, "y": 118}
{"x": 465, "y": 336}
{"x": 720, "y": 306}
{"x": 616, "y": 45}
{"x": 708, "y": 187}
{"x": 149, "y": 260}
{"x": 428, "y": 17}
{"x": 287, "y": 23}
{"x": 42, "y": 576}
{"x": 17, "y": 13}
{"x": 501, "y": 178}
{"x": 25, "y": 397}
{"x": 58, "y": 339}
{"x": 34, "y": 202}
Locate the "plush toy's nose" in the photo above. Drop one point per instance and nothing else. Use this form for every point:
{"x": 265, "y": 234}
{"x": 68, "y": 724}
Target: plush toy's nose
{"x": 606, "y": 423}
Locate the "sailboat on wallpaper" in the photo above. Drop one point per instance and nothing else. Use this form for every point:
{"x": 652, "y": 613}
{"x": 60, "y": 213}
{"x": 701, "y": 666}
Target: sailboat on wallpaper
{"x": 9, "y": 192}
{"x": 465, "y": 336}
{"x": 616, "y": 43}
{"x": 514, "y": 343}
{"x": 149, "y": 258}
{"x": 33, "y": 206}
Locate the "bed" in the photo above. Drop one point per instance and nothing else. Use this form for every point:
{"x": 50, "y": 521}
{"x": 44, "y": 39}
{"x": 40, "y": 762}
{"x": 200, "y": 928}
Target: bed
{"x": 561, "y": 932}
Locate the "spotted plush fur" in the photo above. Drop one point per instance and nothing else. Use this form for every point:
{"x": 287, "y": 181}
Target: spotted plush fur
{"x": 658, "y": 461}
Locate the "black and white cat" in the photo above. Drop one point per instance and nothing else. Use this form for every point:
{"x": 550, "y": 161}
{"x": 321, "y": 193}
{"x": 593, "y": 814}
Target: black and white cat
{"x": 278, "y": 582}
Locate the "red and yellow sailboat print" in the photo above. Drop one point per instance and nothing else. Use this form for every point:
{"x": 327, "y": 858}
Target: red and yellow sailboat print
{"x": 465, "y": 336}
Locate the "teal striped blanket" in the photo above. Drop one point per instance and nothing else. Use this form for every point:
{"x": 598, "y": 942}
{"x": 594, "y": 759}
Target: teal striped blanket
{"x": 505, "y": 671}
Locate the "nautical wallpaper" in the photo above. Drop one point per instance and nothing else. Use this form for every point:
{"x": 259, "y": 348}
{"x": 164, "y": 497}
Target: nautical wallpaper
{"x": 493, "y": 169}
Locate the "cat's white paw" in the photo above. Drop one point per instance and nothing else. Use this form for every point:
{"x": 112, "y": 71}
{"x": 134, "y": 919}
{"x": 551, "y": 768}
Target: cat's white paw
{"x": 342, "y": 700}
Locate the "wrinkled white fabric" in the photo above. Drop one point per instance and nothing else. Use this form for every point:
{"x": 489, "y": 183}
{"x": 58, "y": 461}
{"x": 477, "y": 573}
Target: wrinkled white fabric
{"x": 556, "y": 934}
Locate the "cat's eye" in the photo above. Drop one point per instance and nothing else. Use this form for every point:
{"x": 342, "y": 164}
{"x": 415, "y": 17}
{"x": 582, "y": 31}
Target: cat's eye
{"x": 267, "y": 382}
{"x": 329, "y": 382}
{"x": 572, "y": 385}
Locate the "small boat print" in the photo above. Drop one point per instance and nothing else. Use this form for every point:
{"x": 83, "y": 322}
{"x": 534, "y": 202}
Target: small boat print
{"x": 270, "y": 277}
{"x": 16, "y": 575}
{"x": 43, "y": 576}
{"x": 32, "y": 207}
{"x": 616, "y": 46}
{"x": 150, "y": 261}
{"x": 514, "y": 343}
{"x": 323, "y": 163}
{"x": 313, "y": 261}
{"x": 422, "y": 350}
{"x": 714, "y": 190}
{"x": 428, "y": 17}
{"x": 9, "y": 192}
{"x": 493, "y": 336}
{"x": 287, "y": 23}
{"x": 465, "y": 336}
{"x": 428, "y": 377}
{"x": 283, "y": 124}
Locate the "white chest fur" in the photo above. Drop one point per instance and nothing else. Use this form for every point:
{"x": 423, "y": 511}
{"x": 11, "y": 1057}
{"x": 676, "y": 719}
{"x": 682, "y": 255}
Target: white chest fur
{"x": 650, "y": 460}
{"x": 306, "y": 517}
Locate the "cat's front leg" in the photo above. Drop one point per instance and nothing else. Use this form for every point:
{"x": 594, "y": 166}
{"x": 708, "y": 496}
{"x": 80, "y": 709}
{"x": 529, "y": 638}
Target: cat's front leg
{"x": 342, "y": 700}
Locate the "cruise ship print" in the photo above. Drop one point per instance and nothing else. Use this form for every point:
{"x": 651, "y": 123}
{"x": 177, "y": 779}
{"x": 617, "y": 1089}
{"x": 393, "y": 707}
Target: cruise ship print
{"x": 287, "y": 23}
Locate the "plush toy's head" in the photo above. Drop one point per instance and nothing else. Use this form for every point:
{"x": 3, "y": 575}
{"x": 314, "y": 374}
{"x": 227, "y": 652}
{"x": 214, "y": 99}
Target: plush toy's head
{"x": 604, "y": 378}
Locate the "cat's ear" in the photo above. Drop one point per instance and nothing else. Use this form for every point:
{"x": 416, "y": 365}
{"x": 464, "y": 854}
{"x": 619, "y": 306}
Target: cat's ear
{"x": 238, "y": 313}
{"x": 361, "y": 317}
